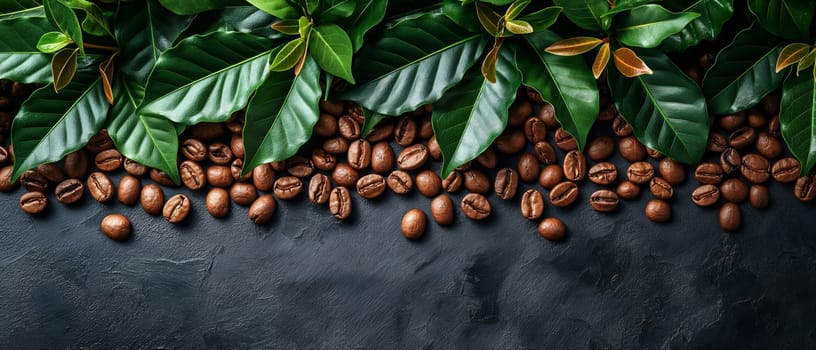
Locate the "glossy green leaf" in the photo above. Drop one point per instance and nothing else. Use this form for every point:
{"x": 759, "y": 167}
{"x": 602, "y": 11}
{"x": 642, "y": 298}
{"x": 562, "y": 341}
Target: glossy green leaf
{"x": 279, "y": 8}
{"x": 51, "y": 125}
{"x": 584, "y": 13}
{"x": 462, "y": 14}
{"x": 666, "y": 110}
{"x": 20, "y": 60}
{"x": 648, "y": 25}
{"x": 744, "y": 72}
{"x": 565, "y": 82}
{"x": 470, "y": 116}
{"x": 304, "y": 26}
{"x": 288, "y": 56}
{"x": 245, "y": 19}
{"x": 52, "y": 42}
{"x": 624, "y": 6}
{"x": 8, "y": 7}
{"x": 415, "y": 61}
{"x": 370, "y": 121}
{"x": 797, "y": 118}
{"x": 287, "y": 26}
{"x": 205, "y": 78}
{"x": 330, "y": 11}
{"x": 64, "y": 18}
{"x": 713, "y": 15}
{"x": 789, "y": 19}
{"x": 515, "y": 9}
{"x": 331, "y": 48}
{"x": 490, "y": 20}
{"x": 517, "y": 26}
{"x": 95, "y": 22}
{"x": 191, "y": 7}
{"x": 281, "y": 115}
{"x": 63, "y": 67}
{"x": 807, "y": 62}
{"x": 367, "y": 14}
{"x": 543, "y": 19}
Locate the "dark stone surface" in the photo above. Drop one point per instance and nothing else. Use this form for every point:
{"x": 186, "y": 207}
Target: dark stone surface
{"x": 308, "y": 281}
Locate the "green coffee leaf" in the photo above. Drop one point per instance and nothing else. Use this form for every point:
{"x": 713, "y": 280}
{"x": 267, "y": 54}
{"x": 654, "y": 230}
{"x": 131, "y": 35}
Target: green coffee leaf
{"x": 585, "y": 13}
{"x": 366, "y": 15}
{"x": 64, "y": 18}
{"x": 515, "y": 9}
{"x": 289, "y": 55}
{"x": 789, "y": 19}
{"x": 329, "y": 11}
{"x": 52, "y": 42}
{"x": 279, "y": 8}
{"x": 648, "y": 25}
{"x": 713, "y": 15}
{"x": 543, "y": 19}
{"x": 191, "y": 7}
{"x": 63, "y": 67}
{"x": 331, "y": 48}
{"x": 20, "y": 59}
{"x": 797, "y": 118}
{"x": 287, "y": 26}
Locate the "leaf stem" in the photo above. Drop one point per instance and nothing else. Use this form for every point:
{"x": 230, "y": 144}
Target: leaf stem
{"x": 100, "y": 47}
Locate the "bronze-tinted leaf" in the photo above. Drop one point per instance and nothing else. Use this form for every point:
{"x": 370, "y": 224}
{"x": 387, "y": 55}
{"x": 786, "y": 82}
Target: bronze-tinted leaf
{"x": 629, "y": 64}
{"x": 289, "y": 55}
{"x": 807, "y": 61}
{"x": 489, "y": 63}
{"x": 63, "y": 67}
{"x": 601, "y": 59}
{"x": 287, "y": 26}
{"x": 106, "y": 71}
{"x": 489, "y": 19}
{"x": 573, "y": 46}
{"x": 791, "y": 55}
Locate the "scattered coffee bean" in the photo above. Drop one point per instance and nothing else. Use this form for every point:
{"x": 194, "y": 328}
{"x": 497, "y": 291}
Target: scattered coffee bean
{"x": 565, "y": 141}
{"x": 564, "y": 194}
{"x": 206, "y": 131}
{"x": 69, "y": 191}
{"x": 786, "y": 170}
{"x": 359, "y": 154}
{"x": 476, "y": 181}
{"x": 243, "y": 193}
{"x": 340, "y": 203}
{"x": 433, "y": 149}
{"x": 550, "y": 176}
{"x": 399, "y": 182}
{"x": 528, "y": 168}
{"x": 453, "y": 183}
{"x": 76, "y": 164}
{"x": 413, "y": 224}
{"x": 33, "y": 202}
{"x": 412, "y": 157}
{"x": 100, "y": 187}
{"x": 192, "y": 175}
{"x": 263, "y": 177}
{"x": 219, "y": 153}
{"x": 348, "y": 128}
{"x": 162, "y": 178}
{"x": 426, "y": 127}
{"x": 661, "y": 189}
{"x": 535, "y": 130}
{"x": 519, "y": 111}
{"x": 236, "y": 168}
{"x": 428, "y": 183}
{"x": 442, "y": 209}
{"x": 381, "y": 132}
{"x": 742, "y": 137}
{"x": 506, "y": 183}
{"x": 128, "y": 191}
{"x": 109, "y": 160}
{"x": 405, "y": 131}
{"x": 730, "y": 217}
{"x": 755, "y": 168}
{"x": 620, "y": 127}
{"x": 604, "y": 173}
{"x": 658, "y": 210}
{"x": 717, "y": 143}
{"x": 768, "y": 146}
{"x": 545, "y": 153}
{"x": 631, "y": 149}
{"x": 337, "y": 145}
{"x": 640, "y": 172}
{"x": 732, "y": 122}
{"x": 730, "y": 160}
{"x": 475, "y": 206}
{"x": 774, "y": 126}
{"x": 628, "y": 190}
{"x": 300, "y": 166}
{"x": 547, "y": 114}
{"x": 324, "y": 160}
{"x": 51, "y": 172}
{"x": 5, "y": 179}
{"x": 134, "y": 168}
{"x": 604, "y": 200}
{"x": 552, "y": 229}
{"x": 237, "y": 146}
{"x": 759, "y": 197}
{"x": 99, "y": 142}
{"x": 511, "y": 141}
{"x": 654, "y": 154}
{"x": 217, "y": 202}
{"x": 734, "y": 190}
{"x": 705, "y": 195}
{"x": 261, "y": 211}
{"x": 601, "y": 148}
{"x": 176, "y": 209}
{"x": 574, "y": 166}
{"x": 116, "y": 227}
{"x": 709, "y": 173}
{"x": 382, "y": 158}
{"x": 194, "y": 150}
{"x": 288, "y": 187}
{"x": 32, "y": 180}
{"x": 532, "y": 204}
{"x": 344, "y": 175}
{"x": 672, "y": 171}
{"x": 152, "y": 199}
{"x": 219, "y": 176}
{"x": 805, "y": 188}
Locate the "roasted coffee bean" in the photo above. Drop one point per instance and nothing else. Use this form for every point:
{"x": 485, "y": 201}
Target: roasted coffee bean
{"x": 207, "y": 131}
{"x": 382, "y": 158}
{"x": 279, "y": 166}
{"x": 100, "y": 142}
{"x": 77, "y": 164}
{"x": 742, "y": 137}
{"x": 705, "y": 195}
{"x": 604, "y": 173}
{"x": 759, "y": 196}
{"x": 658, "y": 210}
{"x": 219, "y": 176}
{"x": 237, "y": 146}
{"x": 564, "y": 140}
{"x": 243, "y": 193}
{"x": 217, "y": 202}
{"x": 5, "y": 179}
{"x": 300, "y": 166}
{"x": 263, "y": 177}
{"x": 620, "y": 127}
{"x": 194, "y": 150}
{"x": 755, "y": 168}
{"x": 732, "y": 122}
{"x": 532, "y": 204}
{"x": 574, "y": 166}
{"x": 552, "y": 229}
{"x": 100, "y": 187}
{"x": 344, "y": 175}
{"x": 628, "y": 190}
{"x": 32, "y": 180}
{"x": 428, "y": 183}
{"x": 506, "y": 183}
{"x": 109, "y": 160}
{"x": 535, "y": 130}
{"x": 192, "y": 175}
{"x": 547, "y": 114}
{"x": 399, "y": 182}
{"x": 433, "y": 149}
{"x": 550, "y": 176}
{"x": 475, "y": 206}
{"x": 631, "y": 149}
{"x": 528, "y": 168}
{"x": 661, "y": 189}
{"x": 33, "y": 202}
{"x": 162, "y": 178}
{"x": 4, "y": 154}
{"x": 640, "y": 172}
{"x": 134, "y": 168}
{"x": 219, "y": 153}
{"x": 654, "y": 154}
{"x": 608, "y": 113}
{"x": 805, "y": 188}
{"x": 340, "y": 203}
{"x": 69, "y": 191}
{"x": 412, "y": 157}
{"x": 381, "y": 132}
{"x": 774, "y": 127}
{"x": 671, "y": 171}
{"x": 786, "y": 170}
{"x": 236, "y": 168}
{"x": 730, "y": 217}
{"x": 116, "y": 227}
{"x": 405, "y": 131}
{"x": 176, "y": 209}
{"x": 545, "y": 153}
{"x": 601, "y": 148}
{"x": 426, "y": 127}
{"x": 564, "y": 194}
{"x": 734, "y": 190}
{"x": 128, "y": 191}
{"x": 323, "y": 160}
{"x": 288, "y": 187}
{"x": 476, "y": 181}
{"x": 332, "y": 107}
{"x": 730, "y": 160}
{"x": 236, "y": 126}
{"x": 453, "y": 183}
{"x": 519, "y": 112}
{"x": 442, "y": 209}
{"x": 51, "y": 172}
{"x": 716, "y": 142}
{"x": 768, "y": 146}
{"x": 511, "y": 141}
{"x": 487, "y": 159}
{"x": 413, "y": 224}
{"x": 359, "y": 154}
{"x": 604, "y": 200}
{"x": 709, "y": 173}
{"x": 262, "y": 209}
{"x": 326, "y": 125}
{"x": 372, "y": 186}
{"x": 319, "y": 189}
{"x": 152, "y": 199}
{"x": 336, "y": 145}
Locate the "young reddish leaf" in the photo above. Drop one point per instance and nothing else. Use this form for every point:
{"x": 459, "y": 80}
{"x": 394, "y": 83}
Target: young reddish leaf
{"x": 790, "y": 55}
{"x": 289, "y": 55}
{"x": 299, "y": 65}
{"x": 489, "y": 19}
{"x": 517, "y": 26}
{"x": 106, "y": 72}
{"x": 489, "y": 63}
{"x": 573, "y": 46}
{"x": 807, "y": 61}
{"x": 63, "y": 67}
{"x": 629, "y": 64}
{"x": 601, "y": 59}
{"x": 287, "y": 26}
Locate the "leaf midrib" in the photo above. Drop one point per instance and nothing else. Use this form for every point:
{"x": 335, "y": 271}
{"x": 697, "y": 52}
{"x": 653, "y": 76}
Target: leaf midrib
{"x": 651, "y": 24}
{"x": 745, "y": 72}
{"x": 556, "y": 84}
{"x": 663, "y": 114}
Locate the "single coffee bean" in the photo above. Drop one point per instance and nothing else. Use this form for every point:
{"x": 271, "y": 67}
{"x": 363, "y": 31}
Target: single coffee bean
{"x": 77, "y": 164}
{"x": 604, "y": 173}
{"x": 348, "y": 127}
{"x": 100, "y": 142}
{"x": 705, "y": 195}
{"x": 381, "y": 132}
{"x": 428, "y": 183}
{"x": 442, "y": 209}
{"x": 628, "y": 190}
{"x": 263, "y": 177}
{"x": 550, "y": 176}
{"x": 237, "y": 146}
{"x": 337, "y": 145}
{"x": 332, "y": 107}
{"x": 774, "y": 126}
{"x": 716, "y": 142}
{"x": 372, "y": 186}
{"x": 453, "y": 183}
{"x": 217, "y": 202}
{"x": 511, "y": 141}
{"x": 528, "y": 169}
{"x": 532, "y": 204}
{"x": 413, "y": 224}
{"x": 262, "y": 209}
{"x": 742, "y": 137}
{"x": 433, "y": 149}
{"x": 100, "y": 187}
{"x": 162, "y": 178}
{"x": 730, "y": 217}
{"x": 709, "y": 173}
{"x": 545, "y": 153}
{"x": 757, "y": 119}
{"x": 621, "y": 128}
{"x": 5, "y": 179}
{"x": 631, "y": 149}
{"x": 535, "y": 130}
{"x": 134, "y": 168}
{"x": 319, "y": 189}
{"x": 658, "y": 210}
{"x": 768, "y": 146}
{"x": 219, "y": 176}
{"x": 640, "y": 172}
{"x": 405, "y": 131}
{"x": 604, "y": 201}
{"x": 574, "y": 166}
{"x": 152, "y": 199}
{"x": 476, "y": 181}
{"x": 69, "y": 191}
{"x": 323, "y": 160}
{"x": 278, "y": 166}
{"x": 219, "y": 153}
{"x": 236, "y": 168}
{"x": 732, "y": 122}
{"x": 4, "y": 154}
{"x": 192, "y": 175}
{"x": 552, "y": 229}
{"x": 786, "y": 170}
{"x": 661, "y": 189}
{"x": 547, "y": 114}
{"x": 805, "y": 188}
{"x": 51, "y": 172}
{"x": 243, "y": 193}
{"x": 608, "y": 113}
{"x": 359, "y": 154}
{"x": 413, "y": 157}
{"x": 382, "y": 158}
{"x": 128, "y": 191}
{"x": 300, "y": 166}
{"x": 734, "y": 190}
{"x": 109, "y": 160}
{"x": 32, "y": 180}
{"x": 506, "y": 183}
{"x": 475, "y": 206}
{"x": 730, "y": 160}
{"x": 344, "y": 175}
{"x": 116, "y": 227}
{"x": 426, "y": 127}
{"x": 33, "y": 202}
{"x": 601, "y": 148}
{"x": 236, "y": 126}
{"x": 487, "y": 159}
{"x": 326, "y": 125}
{"x": 565, "y": 141}
{"x": 194, "y": 150}
{"x": 672, "y": 171}
{"x": 399, "y": 181}
{"x": 759, "y": 196}
{"x": 654, "y": 154}
{"x": 207, "y": 131}
{"x": 519, "y": 112}
{"x": 288, "y": 187}
{"x": 340, "y": 203}
{"x": 176, "y": 209}
{"x": 755, "y": 168}
{"x": 564, "y": 194}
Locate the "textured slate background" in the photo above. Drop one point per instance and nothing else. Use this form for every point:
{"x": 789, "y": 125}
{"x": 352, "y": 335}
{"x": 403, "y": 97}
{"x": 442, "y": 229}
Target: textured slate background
{"x": 306, "y": 280}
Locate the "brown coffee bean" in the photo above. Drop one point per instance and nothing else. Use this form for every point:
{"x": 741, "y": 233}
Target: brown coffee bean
{"x": 734, "y": 190}
{"x": 263, "y": 177}
{"x": 237, "y": 146}
{"x": 564, "y": 194}
{"x": 77, "y": 164}
{"x": 608, "y": 113}
{"x": 32, "y": 180}
{"x": 506, "y": 183}
{"x": 326, "y": 125}
{"x": 300, "y": 166}
{"x": 340, "y": 203}
{"x": 426, "y": 127}
{"x": 575, "y": 168}
{"x": 219, "y": 153}
{"x": 428, "y": 183}
{"x": 442, "y": 209}
{"x": 759, "y": 196}
{"x": 672, "y": 171}
{"x": 545, "y": 153}
{"x": 786, "y": 170}
{"x": 476, "y": 181}
{"x": 709, "y": 173}
{"x": 236, "y": 126}
{"x": 116, "y": 227}
{"x": 134, "y": 168}
{"x": 511, "y": 141}
{"x": 344, "y": 175}
{"x": 51, "y": 172}
{"x": 323, "y": 160}
{"x": 732, "y": 122}
{"x": 601, "y": 148}
{"x": 528, "y": 168}
{"x": 288, "y": 187}
{"x": 661, "y": 189}
{"x": 805, "y": 188}
{"x": 332, "y": 107}
{"x": 382, "y": 158}
{"x": 413, "y": 224}
{"x": 621, "y": 128}
{"x": 4, "y": 154}
{"x": 100, "y": 142}
{"x": 604, "y": 173}
{"x": 319, "y": 189}
{"x": 217, "y": 202}
{"x": 628, "y": 190}
{"x": 381, "y": 132}
{"x": 243, "y": 193}
{"x": 654, "y": 154}
{"x": 162, "y": 178}
{"x": 768, "y": 146}
{"x": 207, "y": 131}
{"x": 359, "y": 154}
{"x": 372, "y": 186}
{"x": 399, "y": 182}
{"x": 194, "y": 150}
{"x": 631, "y": 149}
{"x": 519, "y": 112}
{"x": 774, "y": 126}
{"x": 640, "y": 172}
{"x": 742, "y": 137}
{"x": 716, "y": 142}
{"x": 405, "y": 131}
{"x": 219, "y": 176}
{"x": 262, "y": 209}
{"x": 535, "y": 130}
{"x": 658, "y": 210}
{"x": 755, "y": 168}
{"x": 705, "y": 195}
{"x": 547, "y": 114}
{"x": 532, "y": 204}
{"x": 565, "y": 141}
{"x": 433, "y": 149}
{"x": 176, "y": 208}
{"x": 33, "y": 202}
{"x": 236, "y": 168}
{"x": 100, "y": 187}
{"x": 108, "y": 160}
{"x": 475, "y": 206}
{"x": 730, "y": 160}
{"x": 5, "y": 179}
{"x": 604, "y": 201}
{"x": 453, "y": 183}
{"x": 128, "y": 191}
{"x": 192, "y": 175}
{"x": 337, "y": 145}
{"x": 69, "y": 191}
{"x": 152, "y": 199}
{"x": 413, "y": 157}
{"x": 550, "y": 176}
{"x": 552, "y": 229}
{"x": 730, "y": 217}
{"x": 487, "y": 159}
